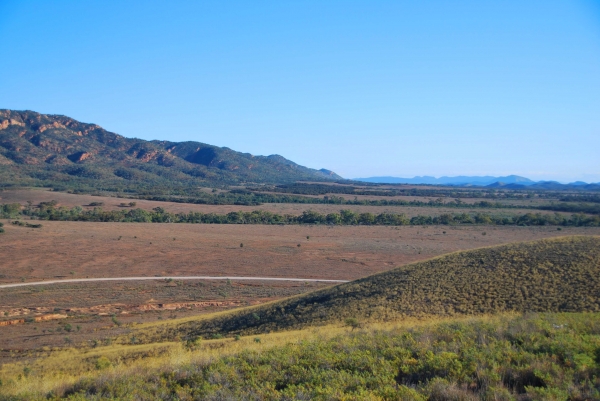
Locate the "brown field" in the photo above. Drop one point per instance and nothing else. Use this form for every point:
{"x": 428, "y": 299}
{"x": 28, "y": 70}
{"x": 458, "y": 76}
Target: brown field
{"x": 92, "y": 307}
{"x": 80, "y": 249}
{"x": 515, "y": 202}
{"x": 113, "y": 203}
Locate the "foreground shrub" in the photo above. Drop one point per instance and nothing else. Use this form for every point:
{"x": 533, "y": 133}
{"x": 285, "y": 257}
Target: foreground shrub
{"x": 532, "y": 357}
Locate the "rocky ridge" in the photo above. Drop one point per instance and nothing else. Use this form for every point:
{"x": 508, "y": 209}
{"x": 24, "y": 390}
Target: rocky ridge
{"x": 41, "y": 149}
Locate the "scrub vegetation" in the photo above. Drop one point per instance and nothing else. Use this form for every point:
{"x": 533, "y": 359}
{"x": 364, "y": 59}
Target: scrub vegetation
{"x": 549, "y": 356}
{"x": 556, "y": 275}
{"x": 511, "y": 322}
{"x": 49, "y": 211}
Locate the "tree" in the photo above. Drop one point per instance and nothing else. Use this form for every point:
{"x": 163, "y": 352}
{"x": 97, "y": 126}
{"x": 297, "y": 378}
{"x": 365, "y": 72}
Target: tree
{"x": 348, "y": 216}
{"x": 353, "y": 323}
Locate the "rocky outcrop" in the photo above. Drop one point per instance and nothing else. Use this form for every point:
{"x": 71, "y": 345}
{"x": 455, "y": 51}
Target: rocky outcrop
{"x": 79, "y": 156}
{"x": 6, "y": 123}
{"x": 29, "y": 139}
{"x": 54, "y": 125}
{"x": 41, "y": 314}
{"x": 42, "y": 318}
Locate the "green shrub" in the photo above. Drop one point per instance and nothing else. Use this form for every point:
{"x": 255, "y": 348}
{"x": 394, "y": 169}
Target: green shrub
{"x": 353, "y": 323}
{"x": 505, "y": 359}
{"x": 102, "y": 363}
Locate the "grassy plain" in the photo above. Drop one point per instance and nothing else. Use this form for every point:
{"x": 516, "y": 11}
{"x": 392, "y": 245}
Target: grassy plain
{"x": 82, "y": 249}
{"x": 113, "y": 203}
{"x": 112, "y": 320}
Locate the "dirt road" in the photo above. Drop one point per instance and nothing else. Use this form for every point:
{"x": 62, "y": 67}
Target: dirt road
{"x": 82, "y": 280}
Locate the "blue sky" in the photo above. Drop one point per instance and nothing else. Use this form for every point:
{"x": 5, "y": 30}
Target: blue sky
{"x": 363, "y": 88}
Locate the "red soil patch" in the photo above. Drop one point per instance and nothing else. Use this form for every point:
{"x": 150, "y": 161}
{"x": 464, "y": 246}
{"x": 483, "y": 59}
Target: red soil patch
{"x": 81, "y": 249}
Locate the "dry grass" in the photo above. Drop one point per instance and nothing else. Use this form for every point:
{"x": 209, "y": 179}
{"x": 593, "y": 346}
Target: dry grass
{"x": 502, "y": 357}
{"x": 555, "y": 275}
{"x": 57, "y": 369}
{"x": 559, "y": 274}
{"x": 345, "y": 252}
{"x": 112, "y": 203}
{"x": 94, "y": 250}
{"x": 88, "y": 309}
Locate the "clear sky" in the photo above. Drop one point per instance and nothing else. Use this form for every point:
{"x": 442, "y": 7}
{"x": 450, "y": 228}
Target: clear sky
{"x": 363, "y": 88}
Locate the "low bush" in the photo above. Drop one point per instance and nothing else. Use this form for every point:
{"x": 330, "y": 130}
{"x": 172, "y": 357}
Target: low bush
{"x": 555, "y": 275}
{"x": 531, "y": 357}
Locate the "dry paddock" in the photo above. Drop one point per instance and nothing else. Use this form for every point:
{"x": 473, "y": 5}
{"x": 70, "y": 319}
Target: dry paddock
{"x": 82, "y": 249}
{"x": 112, "y": 203}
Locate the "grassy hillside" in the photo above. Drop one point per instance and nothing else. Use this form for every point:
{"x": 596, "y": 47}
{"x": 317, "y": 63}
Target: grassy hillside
{"x": 58, "y": 151}
{"x": 406, "y": 334}
{"x": 556, "y": 275}
{"x": 509, "y": 358}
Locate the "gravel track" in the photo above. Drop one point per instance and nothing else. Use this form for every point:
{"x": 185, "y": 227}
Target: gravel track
{"x": 85, "y": 280}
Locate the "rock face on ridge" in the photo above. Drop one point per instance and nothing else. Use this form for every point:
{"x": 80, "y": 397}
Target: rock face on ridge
{"x": 44, "y": 148}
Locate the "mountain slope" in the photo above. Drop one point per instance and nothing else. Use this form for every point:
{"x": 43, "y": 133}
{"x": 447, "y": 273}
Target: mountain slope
{"x": 39, "y": 149}
{"x": 561, "y": 274}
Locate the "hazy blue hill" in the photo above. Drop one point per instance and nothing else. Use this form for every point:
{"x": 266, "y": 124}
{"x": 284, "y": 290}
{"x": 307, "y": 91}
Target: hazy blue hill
{"x": 459, "y": 180}
{"x": 40, "y": 149}
{"x": 514, "y": 182}
{"x": 547, "y": 185}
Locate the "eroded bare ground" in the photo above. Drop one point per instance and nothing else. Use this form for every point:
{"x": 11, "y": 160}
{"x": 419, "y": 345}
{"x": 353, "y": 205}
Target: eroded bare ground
{"x": 66, "y": 314}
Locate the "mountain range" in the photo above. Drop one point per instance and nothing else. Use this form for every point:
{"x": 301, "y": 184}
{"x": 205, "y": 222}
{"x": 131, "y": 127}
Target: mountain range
{"x": 506, "y": 182}
{"x": 61, "y": 152}
{"x": 43, "y": 149}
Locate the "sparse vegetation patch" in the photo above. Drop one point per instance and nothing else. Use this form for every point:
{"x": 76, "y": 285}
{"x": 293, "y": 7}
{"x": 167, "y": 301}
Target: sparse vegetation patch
{"x": 556, "y": 275}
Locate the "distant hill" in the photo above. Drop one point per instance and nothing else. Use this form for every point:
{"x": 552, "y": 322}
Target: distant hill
{"x": 509, "y": 182}
{"x": 459, "y": 180}
{"x": 553, "y": 275}
{"x": 41, "y": 149}
{"x": 547, "y": 185}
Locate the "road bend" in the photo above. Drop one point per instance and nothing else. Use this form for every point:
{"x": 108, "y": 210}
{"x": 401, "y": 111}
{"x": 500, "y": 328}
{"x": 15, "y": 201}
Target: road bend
{"x": 233, "y": 278}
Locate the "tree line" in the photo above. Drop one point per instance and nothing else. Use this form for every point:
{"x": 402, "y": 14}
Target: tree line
{"x": 48, "y": 211}
{"x": 572, "y": 208}
{"x": 394, "y": 190}
{"x": 247, "y": 198}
